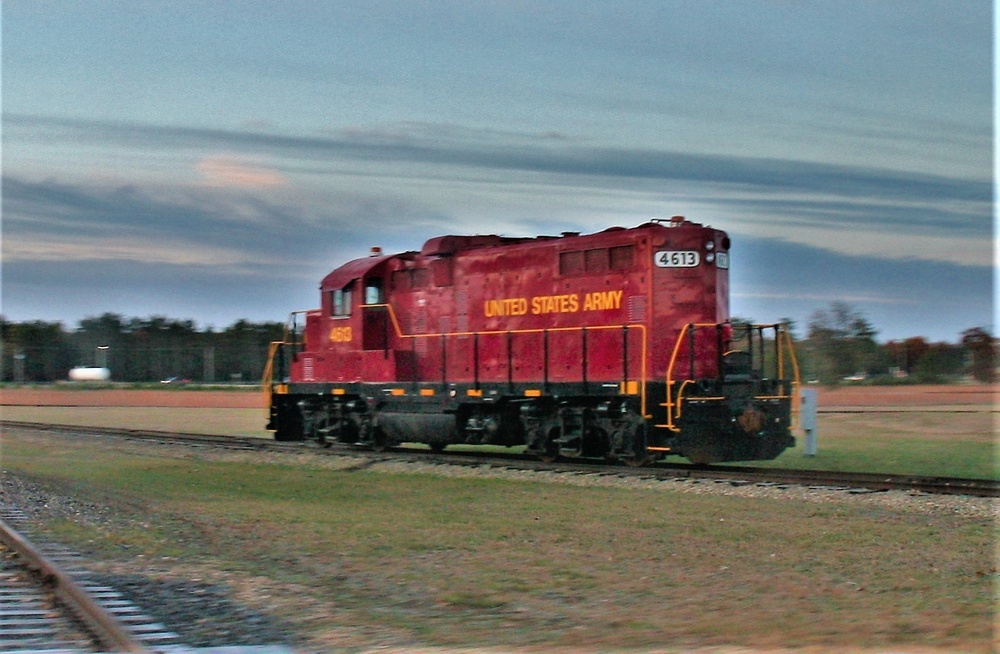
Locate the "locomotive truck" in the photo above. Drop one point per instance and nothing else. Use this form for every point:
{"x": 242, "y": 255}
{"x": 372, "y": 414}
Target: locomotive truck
{"x": 616, "y": 344}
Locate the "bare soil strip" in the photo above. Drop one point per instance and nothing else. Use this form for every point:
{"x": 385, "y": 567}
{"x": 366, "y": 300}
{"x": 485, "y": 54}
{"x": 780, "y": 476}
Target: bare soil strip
{"x": 970, "y": 395}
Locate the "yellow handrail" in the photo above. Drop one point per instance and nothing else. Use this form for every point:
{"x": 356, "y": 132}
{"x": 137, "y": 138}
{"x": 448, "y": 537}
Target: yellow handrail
{"x": 267, "y": 378}
{"x": 287, "y": 338}
{"x": 669, "y": 378}
{"x": 674, "y": 405}
{"x": 537, "y": 330}
{"x": 796, "y": 380}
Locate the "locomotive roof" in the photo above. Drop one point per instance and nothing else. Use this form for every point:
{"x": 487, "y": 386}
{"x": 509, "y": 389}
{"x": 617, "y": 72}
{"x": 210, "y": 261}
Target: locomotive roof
{"x": 352, "y": 270}
{"x": 442, "y": 246}
{"x": 446, "y": 246}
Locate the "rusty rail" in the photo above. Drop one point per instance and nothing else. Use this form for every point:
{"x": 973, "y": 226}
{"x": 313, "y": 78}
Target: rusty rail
{"x": 109, "y": 631}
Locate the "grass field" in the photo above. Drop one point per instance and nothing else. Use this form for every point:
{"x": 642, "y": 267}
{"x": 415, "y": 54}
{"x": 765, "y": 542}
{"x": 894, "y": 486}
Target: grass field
{"x": 369, "y": 558}
{"x": 919, "y": 442}
{"x": 931, "y": 443}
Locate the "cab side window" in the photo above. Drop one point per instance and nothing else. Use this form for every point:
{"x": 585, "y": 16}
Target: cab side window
{"x": 340, "y": 302}
{"x": 373, "y": 291}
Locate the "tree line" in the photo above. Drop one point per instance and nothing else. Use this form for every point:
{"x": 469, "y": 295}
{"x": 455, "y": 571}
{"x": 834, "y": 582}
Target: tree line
{"x": 839, "y": 345}
{"x": 136, "y": 349}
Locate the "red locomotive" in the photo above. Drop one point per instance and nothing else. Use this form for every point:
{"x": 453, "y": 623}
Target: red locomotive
{"x": 615, "y": 344}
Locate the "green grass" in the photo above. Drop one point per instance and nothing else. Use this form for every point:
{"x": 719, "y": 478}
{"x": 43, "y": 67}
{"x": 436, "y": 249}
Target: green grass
{"x": 472, "y": 562}
{"x": 918, "y": 443}
{"x": 963, "y": 460}
{"x": 924, "y": 443}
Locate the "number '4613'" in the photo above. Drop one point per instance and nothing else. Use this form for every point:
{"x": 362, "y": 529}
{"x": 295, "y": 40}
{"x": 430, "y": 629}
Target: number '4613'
{"x": 677, "y": 259}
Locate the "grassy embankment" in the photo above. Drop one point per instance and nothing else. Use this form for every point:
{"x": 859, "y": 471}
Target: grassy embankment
{"x": 365, "y": 557}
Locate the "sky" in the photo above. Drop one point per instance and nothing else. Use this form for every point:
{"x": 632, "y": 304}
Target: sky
{"x": 213, "y": 160}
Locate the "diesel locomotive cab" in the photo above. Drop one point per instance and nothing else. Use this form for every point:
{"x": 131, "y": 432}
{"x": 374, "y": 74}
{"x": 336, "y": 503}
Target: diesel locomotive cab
{"x": 615, "y": 344}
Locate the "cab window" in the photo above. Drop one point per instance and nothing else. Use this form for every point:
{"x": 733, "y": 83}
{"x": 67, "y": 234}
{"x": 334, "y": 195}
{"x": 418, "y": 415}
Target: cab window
{"x": 340, "y": 302}
{"x": 373, "y": 291}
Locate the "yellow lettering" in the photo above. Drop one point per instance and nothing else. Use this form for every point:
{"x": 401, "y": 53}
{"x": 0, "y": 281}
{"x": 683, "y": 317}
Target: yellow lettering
{"x": 341, "y": 335}
{"x": 603, "y": 300}
{"x": 543, "y": 304}
{"x": 512, "y": 306}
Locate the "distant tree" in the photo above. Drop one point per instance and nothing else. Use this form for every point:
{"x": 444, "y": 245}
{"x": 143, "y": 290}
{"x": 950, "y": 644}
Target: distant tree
{"x": 938, "y": 361}
{"x": 243, "y": 348}
{"x": 841, "y": 342}
{"x": 135, "y": 349}
{"x": 35, "y": 351}
{"x": 163, "y": 347}
{"x": 906, "y": 355}
{"x": 981, "y": 347}
{"x": 105, "y": 335}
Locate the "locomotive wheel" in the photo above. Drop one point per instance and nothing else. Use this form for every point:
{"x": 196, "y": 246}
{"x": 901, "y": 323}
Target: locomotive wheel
{"x": 551, "y": 452}
{"x": 636, "y": 461}
{"x": 288, "y": 424}
{"x": 380, "y": 443}
{"x": 640, "y": 455}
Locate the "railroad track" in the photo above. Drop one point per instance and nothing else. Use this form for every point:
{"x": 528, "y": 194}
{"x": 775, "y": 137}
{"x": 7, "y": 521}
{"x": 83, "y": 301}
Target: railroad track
{"x": 46, "y": 607}
{"x": 736, "y": 475}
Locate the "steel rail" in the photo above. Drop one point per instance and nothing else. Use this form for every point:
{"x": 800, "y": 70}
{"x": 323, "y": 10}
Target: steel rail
{"x": 110, "y": 633}
{"x": 723, "y": 473}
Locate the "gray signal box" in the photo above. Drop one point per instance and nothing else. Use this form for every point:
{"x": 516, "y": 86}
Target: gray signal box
{"x": 807, "y": 418}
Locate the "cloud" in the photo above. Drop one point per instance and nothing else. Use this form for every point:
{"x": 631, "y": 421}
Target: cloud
{"x": 539, "y": 153}
{"x": 455, "y": 178}
{"x": 69, "y": 291}
{"x": 518, "y": 151}
{"x": 223, "y": 253}
{"x": 125, "y": 250}
{"x": 772, "y": 278}
{"x": 217, "y": 228}
{"x": 229, "y": 171}
{"x": 865, "y": 298}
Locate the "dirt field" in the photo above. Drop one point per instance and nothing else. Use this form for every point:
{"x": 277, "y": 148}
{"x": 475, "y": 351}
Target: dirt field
{"x": 908, "y": 396}
{"x": 144, "y": 398}
{"x": 848, "y": 396}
